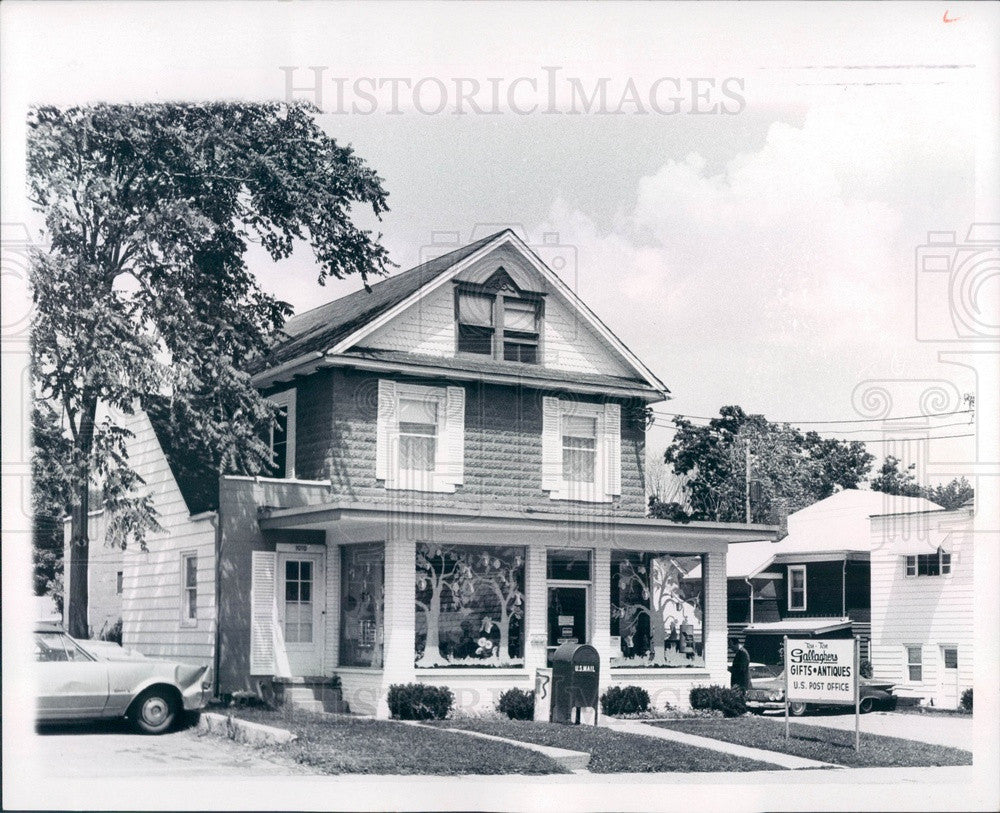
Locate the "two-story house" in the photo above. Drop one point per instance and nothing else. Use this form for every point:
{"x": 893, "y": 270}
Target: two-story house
{"x": 458, "y": 489}
{"x": 923, "y": 602}
{"x": 816, "y": 581}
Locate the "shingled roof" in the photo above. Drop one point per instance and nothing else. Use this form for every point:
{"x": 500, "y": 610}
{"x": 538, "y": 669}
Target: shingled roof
{"x": 318, "y": 329}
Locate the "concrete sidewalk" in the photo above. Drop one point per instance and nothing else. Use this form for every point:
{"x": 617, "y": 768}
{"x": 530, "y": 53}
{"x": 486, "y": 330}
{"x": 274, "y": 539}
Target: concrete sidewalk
{"x": 774, "y": 758}
{"x": 937, "y": 729}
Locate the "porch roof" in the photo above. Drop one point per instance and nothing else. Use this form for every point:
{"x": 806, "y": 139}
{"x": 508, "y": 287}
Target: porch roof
{"x": 792, "y": 626}
{"x": 359, "y": 520}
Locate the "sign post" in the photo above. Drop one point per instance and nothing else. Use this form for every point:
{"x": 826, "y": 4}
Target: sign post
{"x": 785, "y": 652}
{"x": 824, "y": 671}
{"x": 857, "y": 694}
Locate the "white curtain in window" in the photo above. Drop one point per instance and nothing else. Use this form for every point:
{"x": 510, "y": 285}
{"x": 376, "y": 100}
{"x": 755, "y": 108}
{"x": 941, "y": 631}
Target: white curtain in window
{"x": 519, "y": 316}
{"x": 415, "y": 410}
{"x": 475, "y": 309}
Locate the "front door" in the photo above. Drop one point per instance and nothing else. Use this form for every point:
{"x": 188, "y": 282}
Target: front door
{"x": 567, "y": 616}
{"x": 301, "y": 610}
{"x": 948, "y": 692}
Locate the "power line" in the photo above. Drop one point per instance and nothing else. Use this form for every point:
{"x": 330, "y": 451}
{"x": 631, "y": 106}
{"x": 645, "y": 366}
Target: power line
{"x": 870, "y": 440}
{"x": 816, "y": 423}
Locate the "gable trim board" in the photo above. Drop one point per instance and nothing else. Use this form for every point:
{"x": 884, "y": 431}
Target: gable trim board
{"x": 504, "y": 238}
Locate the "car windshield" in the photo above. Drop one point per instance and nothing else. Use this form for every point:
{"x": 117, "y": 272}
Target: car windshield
{"x": 761, "y": 672}
{"x": 57, "y": 646}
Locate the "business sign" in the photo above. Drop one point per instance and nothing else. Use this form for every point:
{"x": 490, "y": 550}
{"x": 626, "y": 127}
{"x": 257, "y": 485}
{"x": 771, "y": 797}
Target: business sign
{"x": 821, "y": 671}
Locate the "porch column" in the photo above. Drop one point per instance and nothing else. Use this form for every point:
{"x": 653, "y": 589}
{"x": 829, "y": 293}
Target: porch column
{"x": 400, "y": 594}
{"x": 601, "y": 639}
{"x": 535, "y": 609}
{"x": 715, "y": 626}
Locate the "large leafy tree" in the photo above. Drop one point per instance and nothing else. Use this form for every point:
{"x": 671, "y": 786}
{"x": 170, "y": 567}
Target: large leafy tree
{"x": 892, "y": 478}
{"x": 786, "y": 464}
{"x": 144, "y": 289}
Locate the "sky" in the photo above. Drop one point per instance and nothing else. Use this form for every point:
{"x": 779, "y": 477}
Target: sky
{"x": 763, "y": 254}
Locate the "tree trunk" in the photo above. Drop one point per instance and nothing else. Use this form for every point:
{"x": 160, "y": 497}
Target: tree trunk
{"x": 79, "y": 597}
{"x": 76, "y": 605}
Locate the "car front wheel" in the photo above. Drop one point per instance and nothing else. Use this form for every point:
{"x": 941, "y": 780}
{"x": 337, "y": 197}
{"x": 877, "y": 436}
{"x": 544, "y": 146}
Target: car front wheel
{"x": 796, "y": 709}
{"x": 866, "y": 705}
{"x": 154, "y": 711}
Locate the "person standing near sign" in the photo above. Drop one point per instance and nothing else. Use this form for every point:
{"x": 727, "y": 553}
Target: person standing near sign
{"x": 740, "y": 670}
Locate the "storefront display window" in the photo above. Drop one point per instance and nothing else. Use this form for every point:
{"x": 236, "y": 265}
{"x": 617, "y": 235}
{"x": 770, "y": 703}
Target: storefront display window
{"x": 362, "y": 599}
{"x": 469, "y": 605}
{"x": 656, "y": 610}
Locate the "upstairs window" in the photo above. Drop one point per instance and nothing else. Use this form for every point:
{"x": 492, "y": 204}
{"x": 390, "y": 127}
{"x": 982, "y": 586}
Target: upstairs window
{"x": 420, "y": 437}
{"x": 797, "y": 587}
{"x": 499, "y": 322}
{"x": 579, "y": 439}
{"x": 581, "y": 450}
{"x": 418, "y": 424}
{"x": 475, "y": 323}
{"x": 520, "y": 331}
{"x": 930, "y": 564}
{"x": 282, "y": 435}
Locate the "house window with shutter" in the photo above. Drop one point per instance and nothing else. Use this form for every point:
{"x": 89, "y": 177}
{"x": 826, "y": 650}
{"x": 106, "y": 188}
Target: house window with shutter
{"x": 581, "y": 450}
{"x": 420, "y": 443}
{"x": 282, "y": 435}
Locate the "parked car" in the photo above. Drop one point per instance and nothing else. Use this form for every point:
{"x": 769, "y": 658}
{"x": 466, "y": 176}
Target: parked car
{"x": 770, "y": 694}
{"x": 94, "y": 680}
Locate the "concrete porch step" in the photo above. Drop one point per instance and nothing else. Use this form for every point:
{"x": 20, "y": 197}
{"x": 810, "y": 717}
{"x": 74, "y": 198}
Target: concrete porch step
{"x": 312, "y": 694}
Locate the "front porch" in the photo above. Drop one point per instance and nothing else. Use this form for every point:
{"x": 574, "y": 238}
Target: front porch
{"x": 381, "y": 594}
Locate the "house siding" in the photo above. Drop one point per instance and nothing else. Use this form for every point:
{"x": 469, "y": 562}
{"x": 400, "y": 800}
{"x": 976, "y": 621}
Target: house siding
{"x": 104, "y": 604}
{"x": 926, "y": 611}
{"x": 152, "y": 597}
{"x": 336, "y": 441}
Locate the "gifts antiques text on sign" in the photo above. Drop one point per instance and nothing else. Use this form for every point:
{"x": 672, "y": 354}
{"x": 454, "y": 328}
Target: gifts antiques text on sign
{"x": 821, "y": 671}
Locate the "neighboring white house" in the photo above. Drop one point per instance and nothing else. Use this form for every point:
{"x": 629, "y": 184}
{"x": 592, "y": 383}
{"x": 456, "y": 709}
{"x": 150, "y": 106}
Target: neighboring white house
{"x": 922, "y": 603}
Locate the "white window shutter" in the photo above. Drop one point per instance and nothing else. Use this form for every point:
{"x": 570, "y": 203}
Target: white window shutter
{"x": 454, "y": 439}
{"x": 263, "y": 619}
{"x": 386, "y": 429}
{"x": 612, "y": 449}
{"x": 551, "y": 445}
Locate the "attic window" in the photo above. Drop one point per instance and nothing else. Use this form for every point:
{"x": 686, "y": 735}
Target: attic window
{"x": 504, "y": 325}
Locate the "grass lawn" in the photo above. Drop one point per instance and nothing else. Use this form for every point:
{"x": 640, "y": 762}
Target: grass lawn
{"x": 343, "y": 744}
{"x": 824, "y": 744}
{"x": 611, "y": 751}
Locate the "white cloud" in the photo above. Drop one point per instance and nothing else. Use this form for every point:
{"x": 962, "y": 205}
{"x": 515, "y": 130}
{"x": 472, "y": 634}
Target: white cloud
{"x": 784, "y": 273}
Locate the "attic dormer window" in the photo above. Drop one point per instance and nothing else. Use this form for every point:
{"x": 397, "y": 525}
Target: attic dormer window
{"x": 499, "y": 321}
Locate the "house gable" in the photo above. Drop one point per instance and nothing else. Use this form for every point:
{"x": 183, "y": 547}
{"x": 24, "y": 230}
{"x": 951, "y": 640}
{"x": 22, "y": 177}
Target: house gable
{"x": 570, "y": 340}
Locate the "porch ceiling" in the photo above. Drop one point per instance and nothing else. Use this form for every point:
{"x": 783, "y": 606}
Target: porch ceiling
{"x": 346, "y": 522}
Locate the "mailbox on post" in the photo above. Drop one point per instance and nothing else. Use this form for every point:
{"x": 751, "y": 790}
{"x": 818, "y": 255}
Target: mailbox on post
{"x": 576, "y": 674}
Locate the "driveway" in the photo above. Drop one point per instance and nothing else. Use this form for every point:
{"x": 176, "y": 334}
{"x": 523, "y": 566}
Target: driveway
{"x": 940, "y": 729}
{"x": 110, "y": 750}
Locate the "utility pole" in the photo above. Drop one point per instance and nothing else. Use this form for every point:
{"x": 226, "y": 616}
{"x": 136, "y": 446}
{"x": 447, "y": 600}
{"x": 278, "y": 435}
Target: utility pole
{"x": 746, "y": 449}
